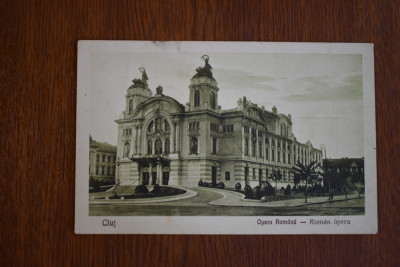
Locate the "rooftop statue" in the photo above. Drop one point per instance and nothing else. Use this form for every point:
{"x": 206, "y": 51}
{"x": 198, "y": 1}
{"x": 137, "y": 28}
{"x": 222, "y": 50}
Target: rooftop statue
{"x": 204, "y": 71}
{"x": 141, "y": 82}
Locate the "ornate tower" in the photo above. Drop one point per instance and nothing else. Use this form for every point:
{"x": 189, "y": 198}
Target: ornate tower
{"x": 203, "y": 89}
{"x": 137, "y": 93}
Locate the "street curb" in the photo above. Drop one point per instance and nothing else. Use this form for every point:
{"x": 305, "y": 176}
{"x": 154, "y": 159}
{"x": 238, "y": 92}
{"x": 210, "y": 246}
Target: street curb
{"x": 189, "y": 194}
{"x": 329, "y": 201}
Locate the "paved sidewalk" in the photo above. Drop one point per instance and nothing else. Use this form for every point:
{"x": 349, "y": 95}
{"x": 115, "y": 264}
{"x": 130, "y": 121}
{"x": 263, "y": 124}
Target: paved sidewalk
{"x": 236, "y": 199}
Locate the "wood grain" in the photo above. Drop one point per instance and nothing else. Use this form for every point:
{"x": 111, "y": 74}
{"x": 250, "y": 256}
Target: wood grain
{"x": 38, "y": 115}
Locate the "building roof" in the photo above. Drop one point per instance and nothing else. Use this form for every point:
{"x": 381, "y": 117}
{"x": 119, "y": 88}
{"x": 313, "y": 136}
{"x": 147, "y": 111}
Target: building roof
{"x": 103, "y": 147}
{"x": 344, "y": 163}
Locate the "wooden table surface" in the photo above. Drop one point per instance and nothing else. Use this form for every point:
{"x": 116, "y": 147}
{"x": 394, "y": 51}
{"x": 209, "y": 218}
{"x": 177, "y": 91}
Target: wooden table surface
{"x": 38, "y": 115}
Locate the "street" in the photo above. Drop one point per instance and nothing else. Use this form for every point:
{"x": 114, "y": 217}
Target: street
{"x": 199, "y": 206}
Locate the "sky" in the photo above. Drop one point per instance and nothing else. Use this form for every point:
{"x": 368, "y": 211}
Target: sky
{"x": 322, "y": 92}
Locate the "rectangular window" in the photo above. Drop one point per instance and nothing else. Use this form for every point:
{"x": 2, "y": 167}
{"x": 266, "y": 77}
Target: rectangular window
{"x": 227, "y": 128}
{"x": 214, "y": 146}
{"x": 194, "y": 125}
{"x": 97, "y": 158}
{"x": 246, "y": 147}
{"x": 260, "y": 149}
{"x": 109, "y": 158}
{"x": 288, "y": 159}
{"x": 267, "y": 141}
{"x": 114, "y": 158}
{"x": 260, "y": 134}
{"x": 104, "y": 158}
{"x": 260, "y": 174}
{"x": 284, "y": 157}
{"x": 273, "y": 142}
{"x": 266, "y": 154}
{"x": 254, "y": 173}
{"x": 253, "y": 148}
{"x": 246, "y": 129}
{"x": 97, "y": 170}
{"x": 253, "y": 132}
{"x": 279, "y": 156}
{"x": 214, "y": 127}
{"x": 273, "y": 155}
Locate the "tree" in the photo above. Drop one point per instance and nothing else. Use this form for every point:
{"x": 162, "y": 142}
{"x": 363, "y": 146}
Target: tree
{"x": 306, "y": 173}
{"x": 276, "y": 176}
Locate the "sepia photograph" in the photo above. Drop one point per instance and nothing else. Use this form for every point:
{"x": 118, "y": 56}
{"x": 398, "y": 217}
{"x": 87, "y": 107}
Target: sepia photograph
{"x": 225, "y": 138}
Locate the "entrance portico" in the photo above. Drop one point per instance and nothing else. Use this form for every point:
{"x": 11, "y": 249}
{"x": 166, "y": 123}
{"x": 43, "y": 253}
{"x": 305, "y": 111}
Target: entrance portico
{"x": 153, "y": 170}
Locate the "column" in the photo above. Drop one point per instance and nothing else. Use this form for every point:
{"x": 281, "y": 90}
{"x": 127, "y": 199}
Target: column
{"x": 264, "y": 148}
{"x": 150, "y": 173}
{"x": 153, "y": 147}
{"x": 243, "y": 142}
{"x": 178, "y": 144}
{"x": 158, "y": 173}
{"x": 140, "y": 141}
{"x": 136, "y": 141}
{"x": 172, "y": 138}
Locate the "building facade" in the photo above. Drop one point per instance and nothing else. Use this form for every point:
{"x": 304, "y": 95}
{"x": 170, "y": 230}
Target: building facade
{"x": 162, "y": 141}
{"x": 102, "y": 158}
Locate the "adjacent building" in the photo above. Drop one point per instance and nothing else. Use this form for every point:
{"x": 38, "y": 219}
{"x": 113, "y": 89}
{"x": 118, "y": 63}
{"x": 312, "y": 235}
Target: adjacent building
{"x": 162, "y": 141}
{"x": 344, "y": 172}
{"x": 102, "y": 157}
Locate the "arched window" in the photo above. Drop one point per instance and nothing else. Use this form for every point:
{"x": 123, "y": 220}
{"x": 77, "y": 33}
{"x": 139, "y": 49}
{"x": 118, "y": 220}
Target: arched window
{"x": 126, "y": 149}
{"x": 167, "y": 128}
{"x": 158, "y": 147}
{"x": 130, "y": 109}
{"x": 193, "y": 145}
{"x": 166, "y": 144}
{"x": 150, "y": 127}
{"x": 158, "y": 124}
{"x": 149, "y": 147}
{"x": 212, "y": 100}
{"x": 196, "y": 98}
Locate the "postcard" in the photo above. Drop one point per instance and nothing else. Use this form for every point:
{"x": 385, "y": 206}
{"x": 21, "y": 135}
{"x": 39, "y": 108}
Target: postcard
{"x": 225, "y": 138}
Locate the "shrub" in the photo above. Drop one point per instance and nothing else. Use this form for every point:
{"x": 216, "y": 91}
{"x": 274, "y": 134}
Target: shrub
{"x": 205, "y": 184}
{"x": 141, "y": 189}
{"x": 267, "y": 190}
{"x": 257, "y": 192}
{"x": 156, "y": 189}
{"x": 238, "y": 186}
{"x": 248, "y": 192}
{"x": 200, "y": 183}
{"x": 95, "y": 184}
{"x": 288, "y": 190}
{"x": 221, "y": 185}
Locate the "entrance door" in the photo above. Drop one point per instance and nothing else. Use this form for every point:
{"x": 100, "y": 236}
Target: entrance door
{"x": 165, "y": 178}
{"x": 214, "y": 175}
{"x": 145, "y": 178}
{"x": 154, "y": 178}
{"x": 246, "y": 175}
